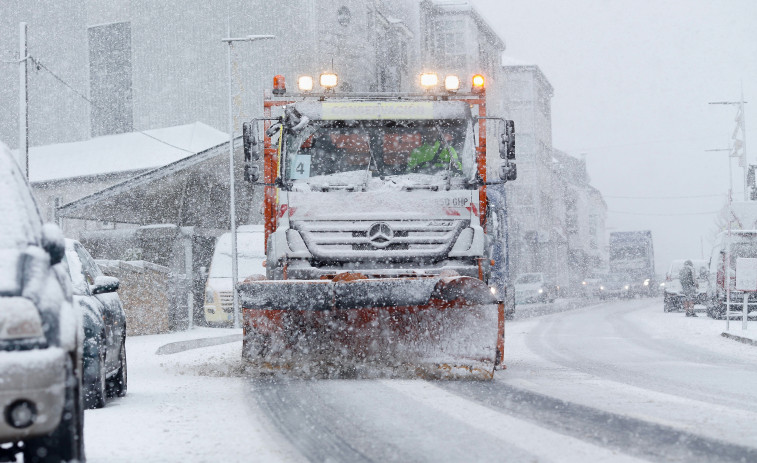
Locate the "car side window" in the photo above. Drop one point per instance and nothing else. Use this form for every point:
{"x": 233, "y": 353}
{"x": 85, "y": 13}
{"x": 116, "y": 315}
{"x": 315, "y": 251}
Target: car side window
{"x": 77, "y": 273}
{"x": 89, "y": 266}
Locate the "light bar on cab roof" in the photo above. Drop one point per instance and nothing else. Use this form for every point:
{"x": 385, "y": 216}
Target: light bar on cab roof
{"x": 329, "y": 80}
{"x": 279, "y": 85}
{"x": 429, "y": 80}
{"x": 452, "y": 83}
{"x": 478, "y": 82}
{"x": 305, "y": 83}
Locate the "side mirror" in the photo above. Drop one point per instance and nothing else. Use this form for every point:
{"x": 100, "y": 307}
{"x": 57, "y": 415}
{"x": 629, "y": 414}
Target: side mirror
{"x": 507, "y": 142}
{"x": 253, "y": 148}
{"x": 508, "y": 171}
{"x": 53, "y": 242}
{"x": 105, "y": 284}
{"x": 251, "y": 173}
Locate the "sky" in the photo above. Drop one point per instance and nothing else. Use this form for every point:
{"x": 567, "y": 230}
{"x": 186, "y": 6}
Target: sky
{"x": 632, "y": 82}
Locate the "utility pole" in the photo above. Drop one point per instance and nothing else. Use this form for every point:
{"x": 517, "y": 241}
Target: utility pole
{"x": 739, "y": 145}
{"x": 23, "y": 102}
{"x": 232, "y": 211}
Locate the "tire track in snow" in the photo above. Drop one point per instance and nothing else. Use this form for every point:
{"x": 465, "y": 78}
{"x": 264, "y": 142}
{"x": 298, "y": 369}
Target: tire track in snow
{"x": 361, "y": 420}
{"x": 629, "y": 435}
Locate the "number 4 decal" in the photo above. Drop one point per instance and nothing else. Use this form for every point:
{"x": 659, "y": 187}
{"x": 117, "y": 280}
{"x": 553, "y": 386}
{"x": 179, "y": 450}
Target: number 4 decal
{"x": 300, "y": 167}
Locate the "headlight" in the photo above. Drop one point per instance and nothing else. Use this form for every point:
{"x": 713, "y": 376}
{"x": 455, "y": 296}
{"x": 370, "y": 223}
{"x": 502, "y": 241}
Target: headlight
{"x": 541, "y": 290}
{"x": 452, "y": 83}
{"x": 662, "y": 285}
{"x": 20, "y": 319}
{"x": 305, "y": 83}
{"x": 646, "y": 282}
{"x": 601, "y": 288}
{"x": 626, "y": 287}
{"x": 329, "y": 80}
{"x": 429, "y": 80}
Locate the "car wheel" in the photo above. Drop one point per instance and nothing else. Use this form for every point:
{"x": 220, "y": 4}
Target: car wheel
{"x": 66, "y": 442}
{"x": 117, "y": 384}
{"x": 95, "y": 393}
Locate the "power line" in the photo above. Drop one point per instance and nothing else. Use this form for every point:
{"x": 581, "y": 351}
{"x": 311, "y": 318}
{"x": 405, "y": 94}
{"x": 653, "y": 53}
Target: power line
{"x": 667, "y": 197}
{"x": 40, "y": 65}
{"x": 667, "y": 214}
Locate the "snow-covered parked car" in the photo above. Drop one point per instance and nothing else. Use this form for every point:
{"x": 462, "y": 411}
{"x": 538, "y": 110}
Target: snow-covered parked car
{"x": 40, "y": 332}
{"x": 104, "y": 320}
{"x": 533, "y": 287}
{"x": 672, "y": 291}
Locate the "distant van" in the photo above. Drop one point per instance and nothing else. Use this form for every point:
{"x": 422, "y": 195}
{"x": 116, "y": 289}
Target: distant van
{"x": 218, "y": 289}
{"x": 743, "y": 244}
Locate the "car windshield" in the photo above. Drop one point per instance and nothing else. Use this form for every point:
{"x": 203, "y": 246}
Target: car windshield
{"x": 628, "y": 252}
{"x": 528, "y": 278}
{"x": 247, "y": 265}
{"x": 379, "y": 149}
{"x": 20, "y": 224}
{"x": 744, "y": 250}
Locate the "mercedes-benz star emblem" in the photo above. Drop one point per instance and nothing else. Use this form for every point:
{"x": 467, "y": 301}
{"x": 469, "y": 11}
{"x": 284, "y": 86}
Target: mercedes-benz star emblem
{"x": 380, "y": 234}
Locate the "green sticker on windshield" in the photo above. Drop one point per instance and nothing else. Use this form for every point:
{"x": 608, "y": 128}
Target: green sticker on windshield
{"x": 300, "y": 167}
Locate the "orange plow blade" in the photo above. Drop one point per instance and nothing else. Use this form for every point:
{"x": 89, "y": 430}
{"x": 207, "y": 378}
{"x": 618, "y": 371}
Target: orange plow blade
{"x": 427, "y": 327}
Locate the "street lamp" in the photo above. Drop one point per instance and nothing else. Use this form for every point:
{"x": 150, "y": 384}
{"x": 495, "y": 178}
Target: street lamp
{"x": 232, "y": 210}
{"x": 728, "y": 241}
{"x": 741, "y": 121}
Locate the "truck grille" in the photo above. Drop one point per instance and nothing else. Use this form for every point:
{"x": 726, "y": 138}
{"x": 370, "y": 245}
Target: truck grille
{"x": 388, "y": 240}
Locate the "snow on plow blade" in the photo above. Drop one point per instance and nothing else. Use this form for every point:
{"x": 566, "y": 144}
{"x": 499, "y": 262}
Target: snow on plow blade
{"x": 429, "y": 327}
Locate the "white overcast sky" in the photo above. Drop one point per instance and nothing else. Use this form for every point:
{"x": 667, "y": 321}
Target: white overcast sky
{"x": 632, "y": 80}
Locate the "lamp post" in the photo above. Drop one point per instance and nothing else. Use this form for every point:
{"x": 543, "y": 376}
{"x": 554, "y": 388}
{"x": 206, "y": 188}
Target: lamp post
{"x": 741, "y": 121}
{"x": 728, "y": 242}
{"x": 232, "y": 210}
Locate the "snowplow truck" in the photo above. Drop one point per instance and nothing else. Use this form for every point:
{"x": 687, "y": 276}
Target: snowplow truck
{"x": 375, "y": 214}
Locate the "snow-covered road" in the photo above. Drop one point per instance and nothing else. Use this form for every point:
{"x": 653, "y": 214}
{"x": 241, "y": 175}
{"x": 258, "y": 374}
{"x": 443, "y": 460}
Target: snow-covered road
{"x": 610, "y": 382}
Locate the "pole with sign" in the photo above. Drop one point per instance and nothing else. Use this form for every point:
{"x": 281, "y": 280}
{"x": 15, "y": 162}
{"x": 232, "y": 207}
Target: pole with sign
{"x": 746, "y": 281}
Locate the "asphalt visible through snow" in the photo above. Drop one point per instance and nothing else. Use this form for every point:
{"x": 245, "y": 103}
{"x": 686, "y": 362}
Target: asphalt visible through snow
{"x": 591, "y": 384}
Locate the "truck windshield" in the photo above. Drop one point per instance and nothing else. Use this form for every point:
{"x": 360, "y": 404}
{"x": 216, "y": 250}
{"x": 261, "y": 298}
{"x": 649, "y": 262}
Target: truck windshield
{"x": 380, "y": 149}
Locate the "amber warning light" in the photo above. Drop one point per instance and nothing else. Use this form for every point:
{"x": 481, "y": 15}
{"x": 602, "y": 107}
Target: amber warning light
{"x": 279, "y": 86}
{"x": 478, "y": 83}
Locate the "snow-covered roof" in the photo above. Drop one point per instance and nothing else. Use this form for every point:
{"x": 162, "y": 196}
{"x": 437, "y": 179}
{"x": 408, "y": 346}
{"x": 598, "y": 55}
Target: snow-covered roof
{"x": 122, "y": 152}
{"x": 510, "y": 61}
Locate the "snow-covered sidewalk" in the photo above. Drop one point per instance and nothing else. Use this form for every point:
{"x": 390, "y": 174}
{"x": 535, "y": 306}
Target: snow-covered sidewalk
{"x": 182, "y": 407}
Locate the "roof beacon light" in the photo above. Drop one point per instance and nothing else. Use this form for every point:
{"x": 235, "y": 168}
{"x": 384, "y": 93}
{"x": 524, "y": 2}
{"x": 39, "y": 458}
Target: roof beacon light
{"x": 478, "y": 84}
{"x": 452, "y": 83}
{"x": 429, "y": 80}
{"x": 305, "y": 83}
{"x": 279, "y": 86}
{"x": 329, "y": 80}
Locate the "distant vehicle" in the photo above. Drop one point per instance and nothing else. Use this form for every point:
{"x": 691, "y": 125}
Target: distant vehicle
{"x": 632, "y": 255}
{"x": 250, "y": 260}
{"x": 616, "y": 285}
{"x": 40, "y": 332}
{"x": 591, "y": 287}
{"x": 104, "y": 320}
{"x": 671, "y": 287}
{"x": 743, "y": 243}
{"x": 534, "y": 287}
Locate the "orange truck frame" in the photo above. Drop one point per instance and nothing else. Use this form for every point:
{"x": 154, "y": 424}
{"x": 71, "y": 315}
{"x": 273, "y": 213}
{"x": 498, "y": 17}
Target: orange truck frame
{"x": 369, "y": 298}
